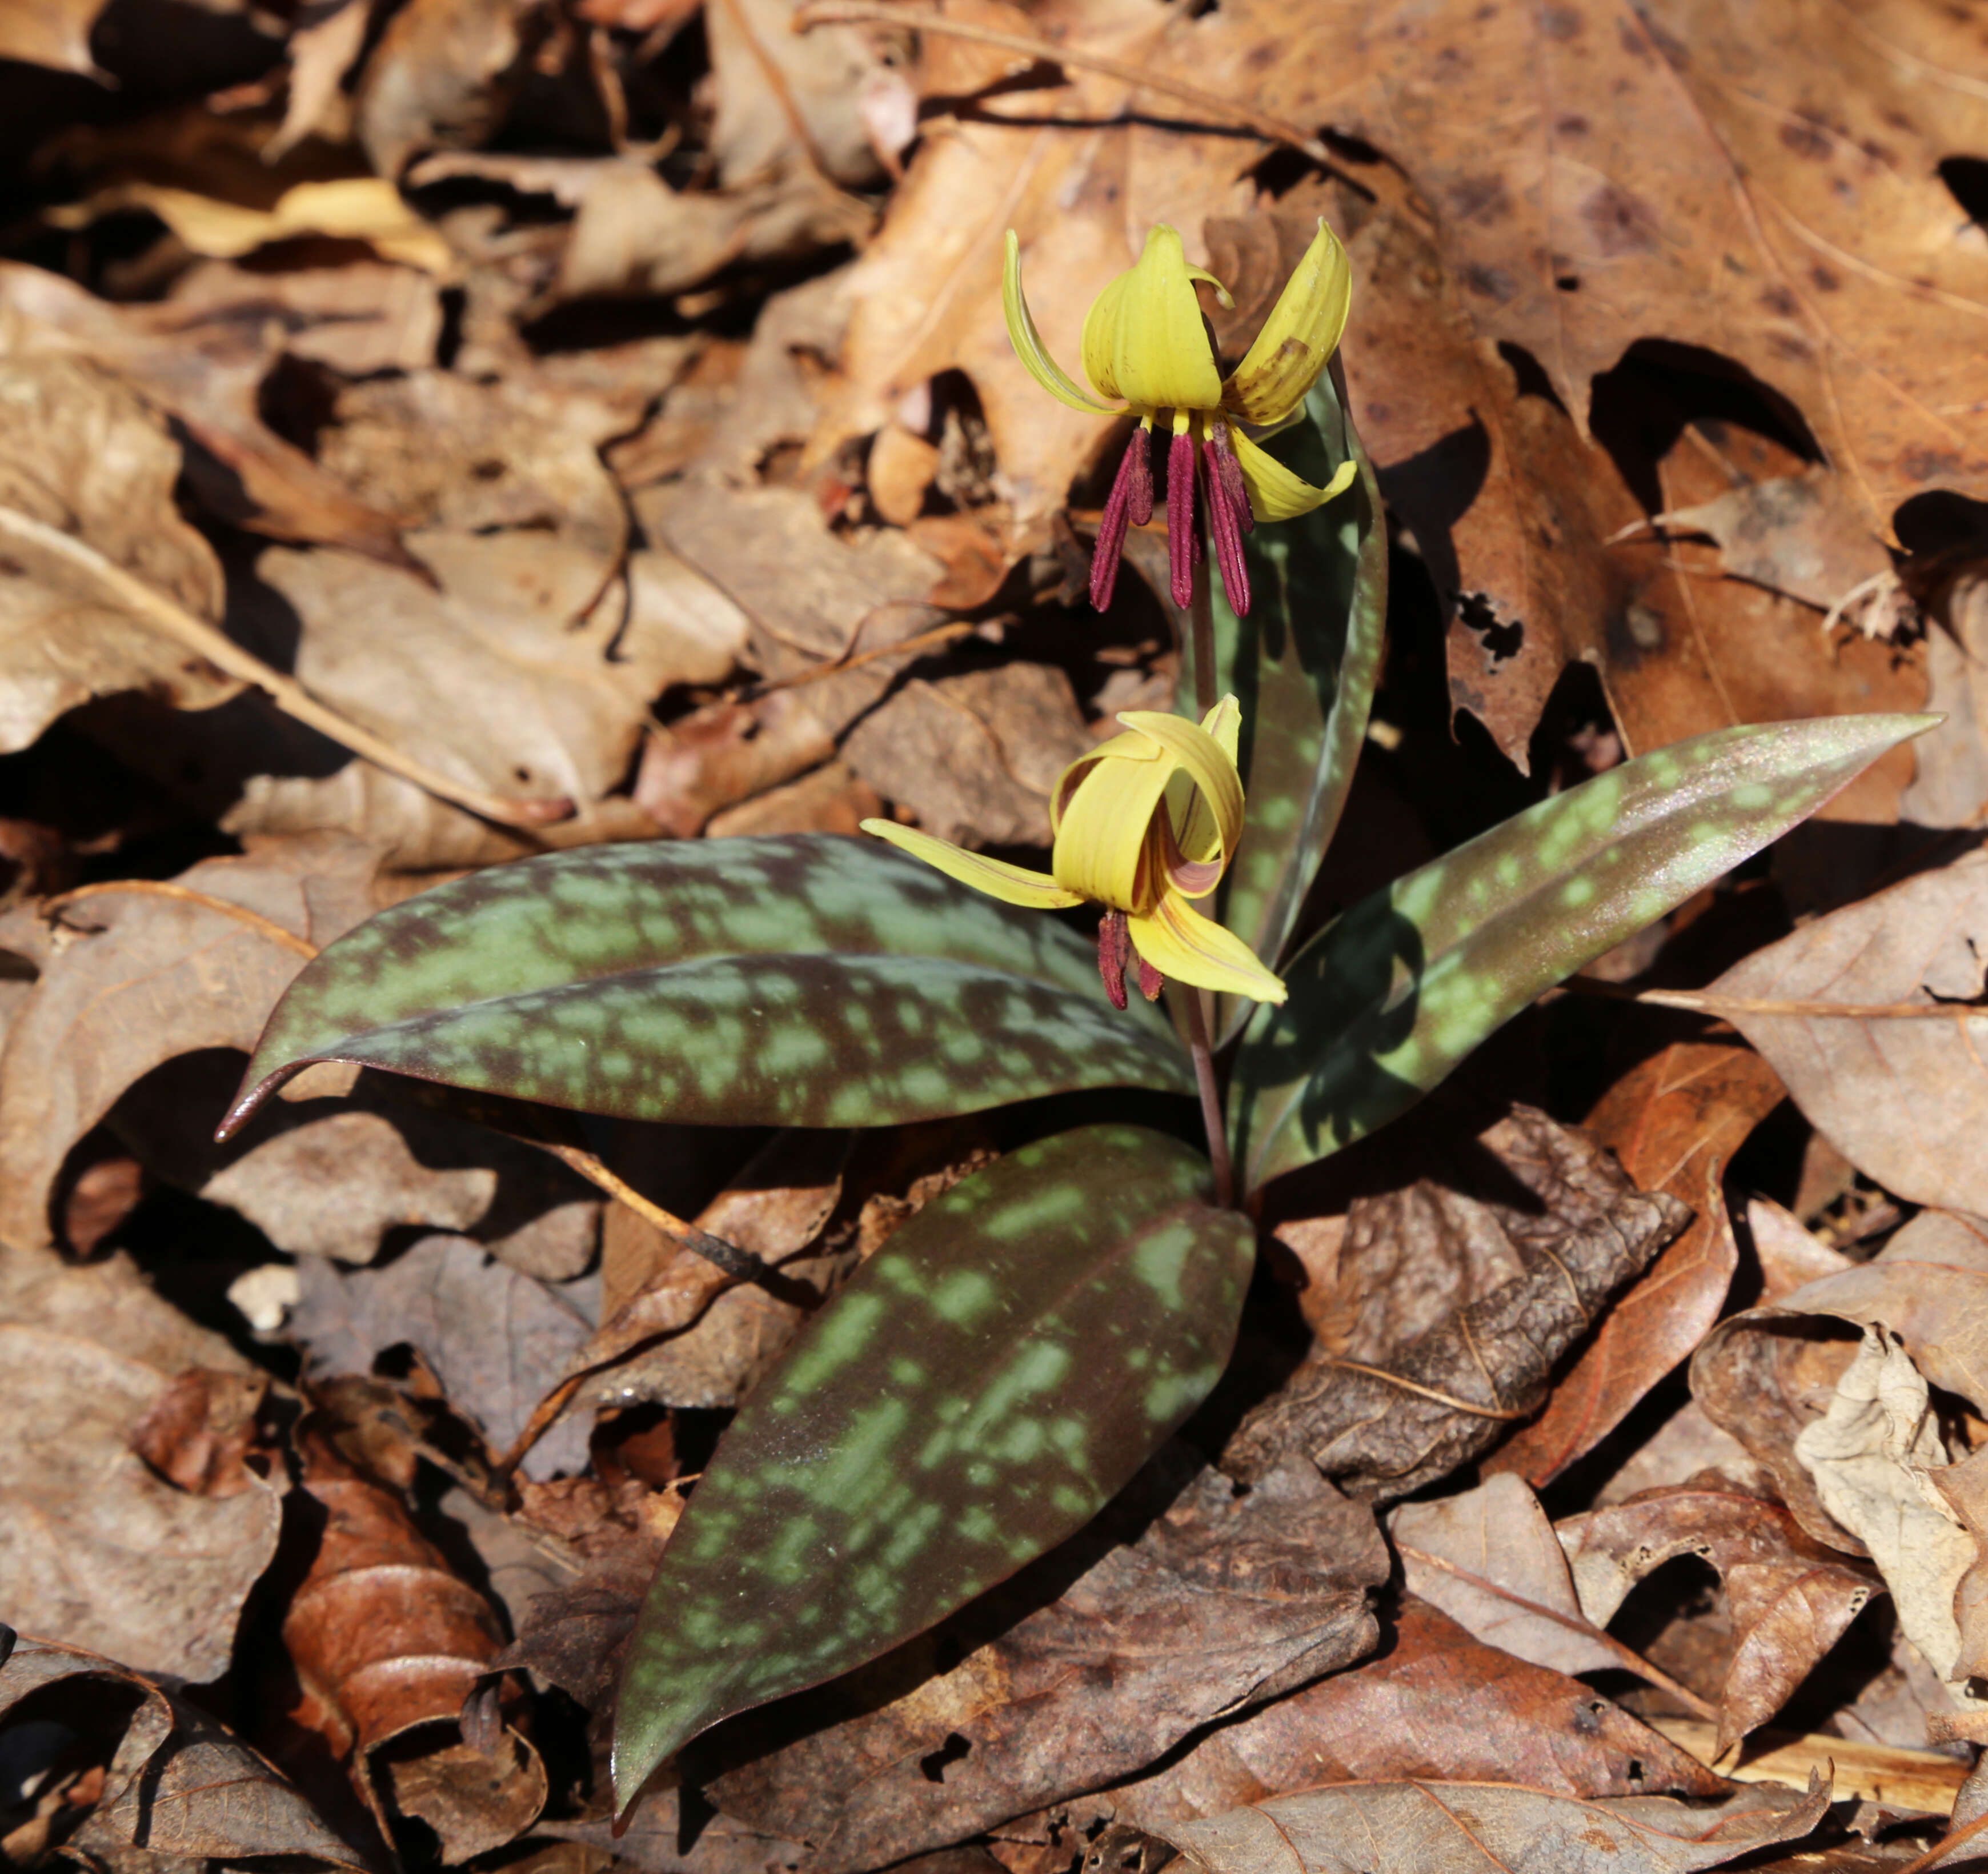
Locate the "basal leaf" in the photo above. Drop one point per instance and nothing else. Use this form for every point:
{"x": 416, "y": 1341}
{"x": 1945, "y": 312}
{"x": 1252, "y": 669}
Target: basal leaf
{"x": 810, "y": 980}
{"x": 979, "y": 1390}
{"x": 1303, "y": 664}
{"x": 1387, "y": 1000}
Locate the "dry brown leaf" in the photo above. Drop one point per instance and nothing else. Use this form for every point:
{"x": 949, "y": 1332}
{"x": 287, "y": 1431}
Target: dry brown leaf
{"x": 444, "y": 73}
{"x": 974, "y": 755}
{"x": 132, "y": 977}
{"x": 722, "y": 754}
{"x": 1401, "y": 1403}
{"x": 1806, "y": 535}
{"x": 1465, "y": 1828}
{"x": 1791, "y": 1598}
{"x": 198, "y": 1431}
{"x": 1489, "y": 1558}
{"x": 1673, "y": 1121}
{"x": 358, "y": 318}
{"x": 441, "y": 452}
{"x": 81, "y": 451}
{"x": 635, "y": 235}
{"x": 1223, "y": 1602}
{"x": 209, "y": 373}
{"x": 498, "y": 1341}
{"x": 831, "y": 799}
{"x": 96, "y": 1549}
{"x": 1875, "y": 1455}
{"x": 362, "y": 208}
{"x": 386, "y": 1644}
{"x": 788, "y": 100}
{"x": 1433, "y": 1701}
{"x": 179, "y": 1790}
{"x": 50, "y": 32}
{"x": 1769, "y": 1375}
{"x": 1906, "y": 1101}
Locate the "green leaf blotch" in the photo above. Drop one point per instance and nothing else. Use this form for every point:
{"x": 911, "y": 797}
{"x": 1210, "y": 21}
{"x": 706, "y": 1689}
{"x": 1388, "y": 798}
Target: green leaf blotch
{"x": 1385, "y": 1001}
{"x": 810, "y": 980}
{"x": 982, "y": 1388}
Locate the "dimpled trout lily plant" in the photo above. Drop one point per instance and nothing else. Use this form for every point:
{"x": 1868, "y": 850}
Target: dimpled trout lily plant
{"x": 979, "y": 1388}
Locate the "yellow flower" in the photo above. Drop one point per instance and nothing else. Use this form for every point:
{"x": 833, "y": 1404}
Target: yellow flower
{"x": 1144, "y": 825}
{"x": 1144, "y": 340}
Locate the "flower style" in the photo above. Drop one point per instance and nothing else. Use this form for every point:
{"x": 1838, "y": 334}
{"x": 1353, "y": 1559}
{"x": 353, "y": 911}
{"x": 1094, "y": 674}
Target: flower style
{"x": 1144, "y": 340}
{"x": 1144, "y": 825}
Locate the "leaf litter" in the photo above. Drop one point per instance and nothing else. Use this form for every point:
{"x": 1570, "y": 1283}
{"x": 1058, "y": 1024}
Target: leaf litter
{"x": 599, "y": 415}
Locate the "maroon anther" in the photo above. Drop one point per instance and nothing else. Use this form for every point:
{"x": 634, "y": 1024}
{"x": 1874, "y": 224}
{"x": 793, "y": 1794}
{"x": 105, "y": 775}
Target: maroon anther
{"x": 1114, "y": 952}
{"x": 1183, "y": 535}
{"x": 1151, "y": 981}
{"x": 1229, "y": 517}
{"x": 1131, "y": 504}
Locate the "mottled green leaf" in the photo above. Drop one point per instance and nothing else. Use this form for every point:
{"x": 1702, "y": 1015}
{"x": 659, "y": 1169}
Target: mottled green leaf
{"x": 993, "y": 1376}
{"x": 1304, "y": 665}
{"x": 810, "y": 980}
{"x": 1388, "y": 999}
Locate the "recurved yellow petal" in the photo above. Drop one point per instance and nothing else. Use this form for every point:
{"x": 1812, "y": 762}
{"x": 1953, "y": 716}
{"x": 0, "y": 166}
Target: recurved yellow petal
{"x": 1028, "y": 342}
{"x": 1101, "y": 835}
{"x": 1182, "y": 945}
{"x": 1144, "y": 339}
{"x": 1214, "y": 825}
{"x": 1277, "y": 494}
{"x": 1013, "y": 885}
{"x": 1301, "y": 334}
{"x": 1199, "y": 837}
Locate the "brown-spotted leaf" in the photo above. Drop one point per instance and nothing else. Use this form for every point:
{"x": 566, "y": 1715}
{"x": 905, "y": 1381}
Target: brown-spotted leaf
{"x": 1791, "y": 1598}
{"x": 1385, "y": 1419}
{"x": 1044, "y": 1327}
{"x": 1081, "y": 1671}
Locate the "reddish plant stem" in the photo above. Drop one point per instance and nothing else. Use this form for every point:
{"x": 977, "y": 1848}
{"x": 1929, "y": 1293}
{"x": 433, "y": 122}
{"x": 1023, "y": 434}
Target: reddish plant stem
{"x": 1211, "y": 1096}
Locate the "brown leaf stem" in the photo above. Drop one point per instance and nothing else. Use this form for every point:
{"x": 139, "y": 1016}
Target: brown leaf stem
{"x": 1277, "y": 130}
{"x": 1704, "y": 1001}
{"x": 289, "y": 695}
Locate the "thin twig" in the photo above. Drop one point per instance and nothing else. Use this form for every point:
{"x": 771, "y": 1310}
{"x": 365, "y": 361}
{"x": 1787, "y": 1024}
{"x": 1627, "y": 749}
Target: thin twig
{"x": 741, "y": 1265}
{"x": 1427, "y": 1392}
{"x": 1703, "y": 1002}
{"x": 173, "y": 621}
{"x": 1946, "y": 1844}
{"x": 924, "y": 640}
{"x": 1628, "y": 1655}
{"x": 159, "y": 887}
{"x": 1276, "y": 130}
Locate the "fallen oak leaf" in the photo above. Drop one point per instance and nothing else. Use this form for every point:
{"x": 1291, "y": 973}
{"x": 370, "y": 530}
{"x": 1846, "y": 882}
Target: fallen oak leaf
{"x": 1791, "y": 1598}
{"x": 208, "y": 373}
{"x": 82, "y": 457}
{"x": 1889, "y": 1774}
